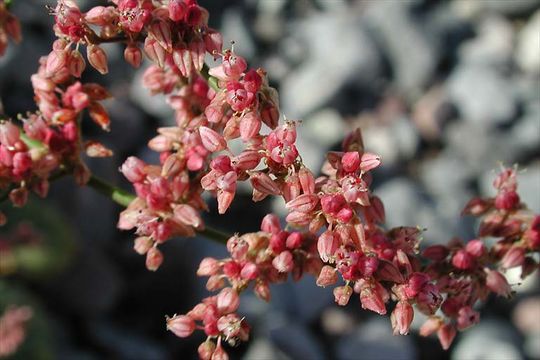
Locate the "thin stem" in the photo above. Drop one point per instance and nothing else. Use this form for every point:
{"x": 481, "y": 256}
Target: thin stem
{"x": 116, "y": 194}
{"x": 124, "y": 198}
{"x": 212, "y": 81}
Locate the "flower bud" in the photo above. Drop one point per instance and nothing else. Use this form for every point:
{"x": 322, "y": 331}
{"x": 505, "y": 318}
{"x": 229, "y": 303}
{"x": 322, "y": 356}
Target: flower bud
{"x": 211, "y": 140}
{"x": 208, "y": 266}
{"x": 227, "y": 300}
{"x": 133, "y": 169}
{"x": 446, "y": 335}
{"x": 342, "y": 294}
{"x": 462, "y": 260}
{"x": 430, "y": 326}
{"x": 369, "y": 162}
{"x": 206, "y": 349}
{"x": 219, "y": 353}
{"x": 303, "y": 203}
{"x": 270, "y": 224}
{"x": 515, "y": 256}
{"x": 250, "y": 125}
{"x": 294, "y": 240}
{"x": 497, "y": 283}
{"x": 436, "y": 252}
{"x": 249, "y": 271}
{"x": 402, "y": 317}
{"x": 97, "y": 58}
{"x": 76, "y": 64}
{"x": 350, "y": 161}
{"x": 327, "y": 244}
{"x": 264, "y": 183}
{"x": 56, "y": 60}
{"x": 186, "y": 214}
{"x": 154, "y": 259}
{"x": 142, "y": 244}
{"x": 181, "y": 325}
{"x": 133, "y": 55}
{"x": 507, "y": 200}
{"x": 283, "y": 262}
{"x": 476, "y": 248}
{"x": 327, "y": 276}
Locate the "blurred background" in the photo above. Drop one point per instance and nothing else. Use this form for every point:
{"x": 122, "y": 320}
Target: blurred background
{"x": 444, "y": 91}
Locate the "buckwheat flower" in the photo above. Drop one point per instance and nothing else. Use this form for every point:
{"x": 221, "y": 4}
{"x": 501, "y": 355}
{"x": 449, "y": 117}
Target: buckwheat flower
{"x": 402, "y": 317}
{"x": 467, "y": 317}
{"x": 228, "y": 300}
{"x": 497, "y": 283}
{"x": 181, "y": 325}
{"x": 342, "y": 294}
{"x": 283, "y": 262}
{"x": 446, "y": 334}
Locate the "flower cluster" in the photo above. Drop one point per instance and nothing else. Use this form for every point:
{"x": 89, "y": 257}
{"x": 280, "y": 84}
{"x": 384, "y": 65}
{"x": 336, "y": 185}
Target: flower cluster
{"x": 9, "y": 28}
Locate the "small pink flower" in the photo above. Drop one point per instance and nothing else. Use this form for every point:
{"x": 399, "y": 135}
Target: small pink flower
{"x": 228, "y": 300}
{"x": 97, "y": 58}
{"x": 327, "y": 244}
{"x": 133, "y": 55}
{"x": 208, "y": 266}
{"x": 402, "y": 317}
{"x": 342, "y": 294}
{"x": 283, "y": 262}
{"x": 143, "y": 244}
{"x": 446, "y": 334}
{"x": 154, "y": 259}
{"x": 181, "y": 325}
{"x": 350, "y": 161}
{"x": 211, "y": 140}
{"x": 462, "y": 260}
{"x": 327, "y": 276}
{"x": 476, "y": 248}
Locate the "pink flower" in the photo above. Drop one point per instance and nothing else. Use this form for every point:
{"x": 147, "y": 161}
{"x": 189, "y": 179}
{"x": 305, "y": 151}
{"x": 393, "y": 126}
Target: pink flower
{"x": 181, "y": 325}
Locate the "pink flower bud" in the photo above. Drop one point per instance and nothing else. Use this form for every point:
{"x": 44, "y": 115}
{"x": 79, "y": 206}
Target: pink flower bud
{"x": 270, "y": 224}
{"x": 208, "y": 266}
{"x": 416, "y": 283}
{"x": 76, "y": 64}
{"x": 436, "y": 252}
{"x": 327, "y": 276}
{"x": 303, "y": 203}
{"x": 154, "y": 259}
{"x": 350, "y": 161}
{"x": 249, "y": 271}
{"x": 133, "y": 55}
{"x": 211, "y": 140}
{"x": 177, "y": 10}
{"x": 507, "y": 200}
{"x": 262, "y": 290}
{"x": 97, "y": 58}
{"x": 224, "y": 199}
{"x": 9, "y": 134}
{"x": 161, "y": 31}
{"x": 264, "y": 183}
{"x": 294, "y": 240}
{"x": 430, "y": 326}
{"x": 515, "y": 256}
{"x": 181, "y": 325}
{"x": 402, "y": 317}
{"x": 278, "y": 241}
{"x": 446, "y": 335}
{"x": 246, "y": 160}
{"x": 250, "y": 125}
{"x": 143, "y": 244}
{"x": 229, "y": 325}
{"x": 215, "y": 282}
{"x": 342, "y": 294}
{"x": 387, "y": 271}
{"x": 238, "y": 247}
{"x": 155, "y": 52}
{"x": 497, "y": 283}
{"x": 476, "y": 248}
{"x": 373, "y": 298}
{"x": 369, "y": 162}
{"x": 56, "y": 60}
{"x": 367, "y": 265}
{"x": 186, "y": 214}
{"x": 283, "y": 262}
{"x": 467, "y": 317}
{"x": 133, "y": 169}
{"x": 227, "y": 300}
{"x": 207, "y": 348}
{"x": 219, "y": 353}
{"x": 327, "y": 244}
{"x": 462, "y": 260}
{"x": 270, "y": 116}
{"x": 99, "y": 15}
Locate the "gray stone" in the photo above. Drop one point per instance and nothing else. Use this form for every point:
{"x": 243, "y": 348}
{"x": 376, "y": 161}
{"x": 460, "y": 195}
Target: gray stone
{"x": 410, "y": 53}
{"x": 493, "y": 46}
{"x": 491, "y": 339}
{"x": 338, "y": 52}
{"x": 296, "y": 342}
{"x": 374, "y": 340}
{"x": 482, "y": 95}
{"x": 527, "y": 55}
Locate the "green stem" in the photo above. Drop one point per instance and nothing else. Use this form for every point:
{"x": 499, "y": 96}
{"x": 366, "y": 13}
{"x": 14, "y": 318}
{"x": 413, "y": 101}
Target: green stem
{"x": 124, "y": 198}
{"x": 212, "y": 81}
{"x": 116, "y": 194}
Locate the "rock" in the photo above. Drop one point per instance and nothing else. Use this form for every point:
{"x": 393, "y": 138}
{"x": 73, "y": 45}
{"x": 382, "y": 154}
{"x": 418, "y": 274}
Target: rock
{"x": 491, "y": 339}
{"x": 296, "y": 342}
{"x": 531, "y": 347}
{"x": 374, "y": 340}
{"x": 525, "y": 134}
{"x": 400, "y": 195}
{"x": 481, "y": 95}
{"x": 152, "y": 104}
{"x": 527, "y": 55}
{"x": 444, "y": 174}
{"x": 260, "y": 348}
{"x": 335, "y": 321}
{"x": 325, "y": 127}
{"x": 493, "y": 46}
{"x": 234, "y": 28}
{"x": 471, "y": 9}
{"x": 411, "y": 55}
{"x": 338, "y": 52}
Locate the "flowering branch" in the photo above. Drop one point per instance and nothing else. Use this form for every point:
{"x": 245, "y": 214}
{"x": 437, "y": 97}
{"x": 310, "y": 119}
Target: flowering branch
{"x": 335, "y": 225}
